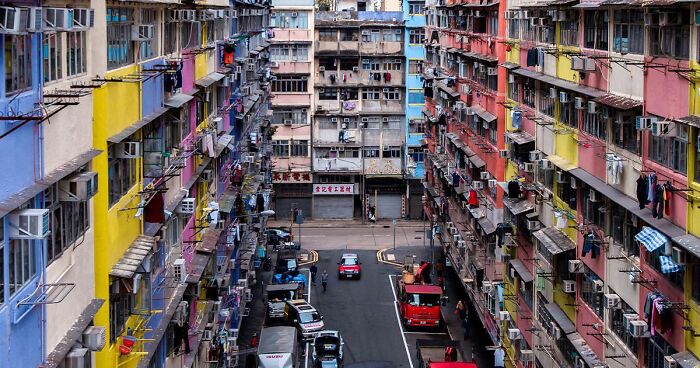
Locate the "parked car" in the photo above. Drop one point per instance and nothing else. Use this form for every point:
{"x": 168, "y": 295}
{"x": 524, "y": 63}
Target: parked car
{"x": 302, "y": 315}
{"x": 349, "y": 266}
{"x": 281, "y": 234}
{"x": 328, "y": 350}
{"x": 278, "y": 348}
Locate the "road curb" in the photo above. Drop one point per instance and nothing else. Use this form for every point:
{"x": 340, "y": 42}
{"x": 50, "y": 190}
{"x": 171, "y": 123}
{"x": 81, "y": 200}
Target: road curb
{"x": 382, "y": 259}
{"x": 314, "y": 259}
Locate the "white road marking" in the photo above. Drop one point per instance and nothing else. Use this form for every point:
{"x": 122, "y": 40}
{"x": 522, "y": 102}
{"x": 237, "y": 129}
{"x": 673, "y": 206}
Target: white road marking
{"x": 423, "y": 333}
{"x": 398, "y": 320}
{"x": 306, "y": 359}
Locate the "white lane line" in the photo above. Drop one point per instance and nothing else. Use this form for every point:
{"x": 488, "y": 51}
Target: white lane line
{"x": 423, "y": 333}
{"x": 309, "y": 271}
{"x": 398, "y": 320}
{"x": 306, "y": 359}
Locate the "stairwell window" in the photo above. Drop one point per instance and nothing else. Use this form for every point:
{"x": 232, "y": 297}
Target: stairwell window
{"x": 76, "y": 59}
{"x": 629, "y": 31}
{"x": 119, "y": 45}
{"x": 670, "y": 33}
{"x": 568, "y": 34}
{"x": 595, "y": 29}
{"x": 18, "y": 63}
{"x": 51, "y": 56}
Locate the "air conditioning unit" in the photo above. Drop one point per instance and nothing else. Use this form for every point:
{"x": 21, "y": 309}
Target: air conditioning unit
{"x": 453, "y": 230}
{"x": 678, "y": 255}
{"x": 78, "y": 187}
{"x": 334, "y": 120}
{"x": 533, "y": 225}
{"x": 514, "y": 334}
{"x": 574, "y": 183}
{"x": 461, "y": 244}
{"x": 95, "y": 338}
{"x": 29, "y": 224}
{"x": 492, "y": 71}
{"x": 593, "y": 196}
{"x": 492, "y": 183}
{"x": 469, "y": 111}
{"x": 503, "y": 153}
{"x": 579, "y": 103}
{"x": 187, "y": 206}
{"x": 528, "y": 167}
{"x": 598, "y": 286}
{"x": 77, "y": 358}
{"x": 207, "y": 335}
{"x": 545, "y": 164}
{"x": 13, "y": 20}
{"x": 577, "y": 63}
{"x": 638, "y": 328}
{"x": 83, "y": 18}
{"x": 477, "y": 185}
{"x": 128, "y": 150}
{"x": 321, "y": 68}
{"x": 670, "y": 362}
{"x": 644, "y": 122}
{"x": 552, "y": 93}
{"x": 526, "y": 356}
{"x": 504, "y": 316}
{"x": 179, "y": 270}
{"x": 662, "y": 127}
{"x": 450, "y": 224}
{"x": 612, "y": 301}
{"x": 35, "y": 21}
{"x": 593, "y": 107}
{"x": 207, "y": 175}
{"x": 58, "y": 19}
{"x": 355, "y": 69}
{"x": 456, "y": 238}
{"x": 561, "y": 177}
{"x": 484, "y": 175}
{"x": 627, "y": 319}
{"x": 569, "y": 286}
{"x": 288, "y": 122}
{"x": 564, "y": 97}
{"x": 556, "y": 331}
{"x": 575, "y": 266}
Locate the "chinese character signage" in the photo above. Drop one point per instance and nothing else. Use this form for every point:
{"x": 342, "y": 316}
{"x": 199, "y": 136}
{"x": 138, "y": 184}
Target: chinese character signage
{"x": 291, "y": 177}
{"x": 334, "y": 189}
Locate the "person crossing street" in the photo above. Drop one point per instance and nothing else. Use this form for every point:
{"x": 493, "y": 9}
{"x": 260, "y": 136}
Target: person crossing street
{"x": 324, "y": 280}
{"x": 314, "y": 271}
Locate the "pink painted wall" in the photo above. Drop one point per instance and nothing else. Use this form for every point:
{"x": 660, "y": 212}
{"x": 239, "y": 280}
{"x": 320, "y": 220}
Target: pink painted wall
{"x": 586, "y": 316}
{"x": 188, "y": 234}
{"x": 591, "y": 156}
{"x": 292, "y": 99}
{"x": 597, "y": 78}
{"x": 524, "y": 320}
{"x": 659, "y": 84}
{"x": 188, "y": 73}
{"x": 679, "y": 205}
{"x": 294, "y": 67}
{"x": 675, "y": 335}
{"x": 597, "y": 265}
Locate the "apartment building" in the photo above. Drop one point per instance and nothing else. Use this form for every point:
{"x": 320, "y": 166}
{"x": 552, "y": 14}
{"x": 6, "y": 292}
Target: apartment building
{"x": 291, "y": 55}
{"x": 359, "y": 120}
{"x": 118, "y": 206}
{"x": 587, "y": 273}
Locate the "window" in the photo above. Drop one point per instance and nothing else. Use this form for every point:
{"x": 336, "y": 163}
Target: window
{"x": 370, "y": 64}
{"x": 371, "y": 152}
{"x": 51, "y": 56}
{"x": 628, "y": 34}
{"x": 392, "y": 35}
{"x": 119, "y": 45}
{"x": 416, "y": 97}
{"x": 513, "y": 28}
{"x": 170, "y": 32}
{"x": 392, "y": 64}
{"x": 122, "y": 174}
{"x": 546, "y": 102}
{"x": 529, "y": 92}
{"x": 348, "y": 35}
{"x": 657, "y": 350}
{"x": 659, "y": 149}
{"x": 617, "y": 325}
{"x": 416, "y": 7}
{"x": 567, "y": 114}
{"x": 18, "y": 63}
{"x": 76, "y": 59}
{"x": 391, "y": 152}
{"x": 565, "y": 192}
{"x": 289, "y": 19}
{"x": 416, "y": 154}
{"x": 625, "y": 133}
{"x": 372, "y": 122}
{"x": 190, "y": 34}
{"x": 679, "y": 149}
{"x": 148, "y": 48}
{"x": 328, "y": 94}
{"x": 290, "y": 83}
{"x": 297, "y": 116}
{"x": 594, "y": 212}
{"x": 513, "y": 87}
{"x": 696, "y": 277}
{"x": 21, "y": 263}
{"x": 416, "y": 126}
{"x": 370, "y": 94}
{"x": 286, "y": 52}
{"x": 595, "y": 29}
{"x": 589, "y": 294}
{"x": 391, "y": 123}
{"x": 696, "y": 178}
{"x": 120, "y": 307}
{"x": 392, "y": 94}
{"x": 493, "y": 132}
{"x": 300, "y": 148}
{"x": 326, "y": 123}
{"x": 416, "y": 36}
{"x": 348, "y": 64}
{"x": 671, "y": 40}
{"x": 68, "y": 222}
{"x": 595, "y": 125}
{"x": 569, "y": 33}
{"x": 328, "y": 36}
{"x": 493, "y": 22}
{"x": 371, "y": 35}
{"x": 280, "y": 148}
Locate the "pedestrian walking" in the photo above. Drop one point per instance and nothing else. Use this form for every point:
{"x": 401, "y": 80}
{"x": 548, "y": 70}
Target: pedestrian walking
{"x": 499, "y": 357}
{"x": 461, "y": 309}
{"x": 465, "y": 326}
{"x": 324, "y": 280}
{"x": 313, "y": 270}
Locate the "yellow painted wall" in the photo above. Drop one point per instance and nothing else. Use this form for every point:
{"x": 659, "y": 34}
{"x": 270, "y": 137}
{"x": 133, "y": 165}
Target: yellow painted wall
{"x": 693, "y": 220}
{"x": 514, "y": 54}
{"x": 116, "y": 106}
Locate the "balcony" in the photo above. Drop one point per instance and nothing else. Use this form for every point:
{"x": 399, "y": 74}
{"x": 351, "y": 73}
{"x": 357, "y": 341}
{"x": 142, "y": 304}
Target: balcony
{"x": 292, "y": 35}
{"x": 291, "y": 67}
{"x": 383, "y": 166}
{"x": 397, "y": 78}
{"x": 384, "y": 106}
{"x": 381, "y": 48}
{"x": 337, "y": 164}
{"x": 335, "y": 47}
{"x": 331, "y": 136}
{"x": 351, "y": 78}
{"x": 292, "y": 99}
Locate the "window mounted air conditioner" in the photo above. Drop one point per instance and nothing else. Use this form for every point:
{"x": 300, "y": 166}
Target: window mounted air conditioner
{"x": 504, "y": 316}
{"x": 561, "y": 177}
{"x": 593, "y": 107}
{"x": 638, "y": 328}
{"x": 574, "y": 184}
{"x": 564, "y": 97}
{"x": 187, "y": 206}
{"x": 492, "y": 71}
{"x": 321, "y": 69}
{"x": 579, "y": 103}
{"x": 456, "y": 238}
{"x": 534, "y": 155}
{"x": 13, "y": 20}
{"x": 128, "y": 150}
{"x": 670, "y": 362}
{"x": 484, "y": 175}
{"x": 207, "y": 175}
{"x": 78, "y": 187}
{"x": 552, "y": 93}
{"x": 35, "y": 21}
{"x": 627, "y": 319}
{"x": 77, "y": 358}
{"x": 179, "y": 270}
{"x": 528, "y": 167}
{"x": 545, "y": 164}
{"x": 612, "y": 301}
{"x": 526, "y": 356}
{"x": 58, "y": 19}
{"x": 461, "y": 244}
{"x": 477, "y": 185}
{"x": 95, "y": 338}
{"x": 569, "y": 286}
{"x": 83, "y": 18}
{"x": 29, "y": 224}
{"x": 206, "y": 335}
{"x": 288, "y": 122}
{"x": 453, "y": 230}
{"x": 598, "y": 286}
{"x": 492, "y": 183}
{"x": 644, "y": 122}
{"x": 533, "y": 225}
{"x": 662, "y": 127}
{"x": 575, "y": 266}
{"x": 334, "y": 120}
{"x": 514, "y": 334}
{"x": 593, "y": 196}
{"x": 678, "y": 255}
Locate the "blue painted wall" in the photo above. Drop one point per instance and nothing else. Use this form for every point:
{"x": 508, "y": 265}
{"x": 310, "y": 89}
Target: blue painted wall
{"x": 152, "y": 89}
{"x": 413, "y": 82}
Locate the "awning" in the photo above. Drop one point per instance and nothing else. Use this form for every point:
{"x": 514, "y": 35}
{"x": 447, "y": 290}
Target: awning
{"x": 663, "y": 225}
{"x": 510, "y": 66}
{"x": 561, "y": 162}
{"x": 690, "y": 243}
{"x": 586, "y": 353}
{"x": 477, "y": 161}
{"x": 467, "y": 151}
{"x": 223, "y": 142}
{"x": 525, "y": 275}
{"x": 163, "y": 324}
{"x": 560, "y": 318}
{"x": 588, "y": 91}
{"x": 210, "y": 79}
{"x": 133, "y": 257}
{"x": 686, "y": 359}
{"x": 518, "y": 206}
{"x": 451, "y": 91}
{"x": 520, "y": 137}
{"x": 430, "y": 189}
{"x": 487, "y": 116}
{"x": 486, "y": 225}
{"x": 428, "y": 114}
{"x": 177, "y": 100}
{"x": 17, "y": 199}
{"x": 133, "y": 128}
{"x": 651, "y": 239}
{"x": 588, "y": 4}
{"x": 75, "y": 332}
{"x": 226, "y": 202}
{"x": 618, "y": 102}
{"x": 477, "y": 5}
{"x": 554, "y": 240}
{"x": 693, "y": 120}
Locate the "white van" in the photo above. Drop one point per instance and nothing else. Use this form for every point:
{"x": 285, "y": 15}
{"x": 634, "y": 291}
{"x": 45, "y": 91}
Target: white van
{"x": 278, "y": 347}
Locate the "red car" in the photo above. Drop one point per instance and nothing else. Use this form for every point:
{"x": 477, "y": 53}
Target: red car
{"x": 349, "y": 266}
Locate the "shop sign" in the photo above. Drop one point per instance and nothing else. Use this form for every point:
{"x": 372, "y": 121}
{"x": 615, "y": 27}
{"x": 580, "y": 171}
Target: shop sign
{"x": 334, "y": 189}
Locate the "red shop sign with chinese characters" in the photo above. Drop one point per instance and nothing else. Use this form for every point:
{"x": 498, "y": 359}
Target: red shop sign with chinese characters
{"x": 291, "y": 177}
{"x": 334, "y": 189}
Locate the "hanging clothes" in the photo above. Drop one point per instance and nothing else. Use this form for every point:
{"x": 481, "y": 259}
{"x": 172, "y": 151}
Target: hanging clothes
{"x": 613, "y": 166}
{"x": 562, "y": 222}
{"x": 377, "y": 77}
{"x": 345, "y": 77}
{"x": 642, "y": 191}
{"x": 501, "y": 230}
{"x": 531, "y": 57}
{"x": 155, "y": 209}
{"x": 513, "y": 189}
{"x": 540, "y": 56}
{"x": 209, "y": 144}
{"x": 332, "y": 78}
{"x": 667, "y": 199}
{"x": 473, "y": 198}
{"x": 651, "y": 183}
{"x": 590, "y": 245}
{"x": 516, "y": 119}
{"x": 387, "y": 77}
{"x": 455, "y": 179}
{"x": 657, "y": 205}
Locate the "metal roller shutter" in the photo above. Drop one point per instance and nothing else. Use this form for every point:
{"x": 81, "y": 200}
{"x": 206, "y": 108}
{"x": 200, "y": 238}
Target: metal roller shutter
{"x": 333, "y": 207}
{"x": 389, "y": 205}
{"x": 283, "y": 207}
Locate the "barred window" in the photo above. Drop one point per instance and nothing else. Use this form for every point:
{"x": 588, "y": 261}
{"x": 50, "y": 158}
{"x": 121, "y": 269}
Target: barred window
{"x": 371, "y": 94}
{"x": 119, "y": 46}
{"x": 300, "y": 148}
{"x": 416, "y": 36}
{"x": 293, "y": 116}
{"x": 391, "y": 152}
{"x": 290, "y": 83}
{"x": 280, "y": 148}
{"x": 589, "y": 294}
{"x": 328, "y": 94}
{"x": 392, "y": 94}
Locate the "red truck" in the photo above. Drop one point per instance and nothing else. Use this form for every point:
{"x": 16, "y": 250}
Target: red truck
{"x": 419, "y": 304}
{"x": 440, "y": 354}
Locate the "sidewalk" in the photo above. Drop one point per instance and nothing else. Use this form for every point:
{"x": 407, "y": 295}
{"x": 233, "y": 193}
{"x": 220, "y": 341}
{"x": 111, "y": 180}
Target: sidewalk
{"x": 345, "y": 223}
{"x": 253, "y": 323}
